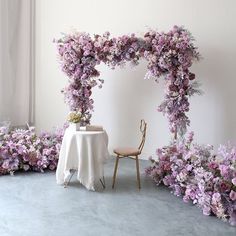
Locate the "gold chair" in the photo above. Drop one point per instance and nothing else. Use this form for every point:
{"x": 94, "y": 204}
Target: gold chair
{"x": 132, "y": 153}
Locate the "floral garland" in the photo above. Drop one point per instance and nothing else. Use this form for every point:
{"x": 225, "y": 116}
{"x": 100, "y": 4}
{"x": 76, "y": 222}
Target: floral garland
{"x": 168, "y": 54}
{"x": 22, "y": 149}
{"x": 195, "y": 173}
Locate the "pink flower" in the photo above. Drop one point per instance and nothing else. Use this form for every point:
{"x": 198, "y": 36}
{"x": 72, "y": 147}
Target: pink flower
{"x": 224, "y": 187}
{"x": 206, "y": 210}
{"x": 232, "y": 195}
{"x": 216, "y": 197}
{"x": 169, "y": 54}
{"x": 194, "y": 174}
{"x": 213, "y": 165}
{"x": 224, "y": 170}
{"x": 234, "y": 181}
{"x": 189, "y": 167}
{"x": 232, "y": 219}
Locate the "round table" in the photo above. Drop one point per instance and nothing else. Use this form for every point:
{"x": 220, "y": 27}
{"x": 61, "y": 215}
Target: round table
{"x": 84, "y": 151}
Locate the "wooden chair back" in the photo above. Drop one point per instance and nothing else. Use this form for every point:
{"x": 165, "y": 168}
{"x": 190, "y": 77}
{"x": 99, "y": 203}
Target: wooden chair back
{"x": 143, "y": 129}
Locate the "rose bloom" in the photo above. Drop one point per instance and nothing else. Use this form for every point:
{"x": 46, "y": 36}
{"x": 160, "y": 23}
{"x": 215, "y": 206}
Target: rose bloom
{"x": 232, "y": 195}
{"x": 213, "y": 165}
{"x": 206, "y": 210}
{"x": 224, "y": 187}
{"x": 234, "y": 181}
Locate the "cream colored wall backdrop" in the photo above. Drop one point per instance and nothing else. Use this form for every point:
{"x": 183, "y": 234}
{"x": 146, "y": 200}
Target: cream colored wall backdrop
{"x": 126, "y": 97}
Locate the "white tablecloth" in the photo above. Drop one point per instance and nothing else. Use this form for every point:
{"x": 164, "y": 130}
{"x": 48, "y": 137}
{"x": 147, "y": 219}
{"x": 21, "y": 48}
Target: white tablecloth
{"x": 85, "y": 151}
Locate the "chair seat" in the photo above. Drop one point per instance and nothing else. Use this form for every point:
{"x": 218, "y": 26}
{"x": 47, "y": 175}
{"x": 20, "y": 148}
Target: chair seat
{"x": 127, "y": 151}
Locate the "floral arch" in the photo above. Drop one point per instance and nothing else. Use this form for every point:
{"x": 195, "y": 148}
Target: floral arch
{"x": 168, "y": 54}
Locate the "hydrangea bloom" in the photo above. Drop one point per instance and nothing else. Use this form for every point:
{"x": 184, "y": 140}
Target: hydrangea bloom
{"x": 170, "y": 54}
{"x": 195, "y": 173}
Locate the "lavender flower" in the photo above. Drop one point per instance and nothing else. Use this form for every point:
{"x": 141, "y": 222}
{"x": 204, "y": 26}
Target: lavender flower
{"x": 199, "y": 175}
{"x": 24, "y": 150}
{"x": 170, "y": 54}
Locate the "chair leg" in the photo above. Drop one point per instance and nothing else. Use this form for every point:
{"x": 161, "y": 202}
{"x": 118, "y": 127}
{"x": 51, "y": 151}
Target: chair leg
{"x": 115, "y": 171}
{"x": 138, "y": 174}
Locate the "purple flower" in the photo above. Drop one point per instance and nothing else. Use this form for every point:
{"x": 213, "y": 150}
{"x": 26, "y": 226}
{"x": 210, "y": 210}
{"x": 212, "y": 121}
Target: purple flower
{"x": 234, "y": 181}
{"x": 224, "y": 170}
{"x": 26, "y": 167}
{"x": 232, "y": 219}
{"x": 216, "y": 197}
{"x": 232, "y": 195}
{"x": 199, "y": 175}
{"x": 206, "y": 210}
{"x": 10, "y": 164}
{"x": 213, "y": 165}
{"x": 23, "y": 149}
{"x": 169, "y": 54}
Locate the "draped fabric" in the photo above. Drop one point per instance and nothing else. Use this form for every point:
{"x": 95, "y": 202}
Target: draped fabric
{"x": 16, "y": 61}
{"x": 84, "y": 151}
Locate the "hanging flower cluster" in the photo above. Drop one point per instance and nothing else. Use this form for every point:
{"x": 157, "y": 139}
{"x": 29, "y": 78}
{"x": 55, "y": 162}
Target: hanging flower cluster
{"x": 192, "y": 171}
{"x": 168, "y": 54}
{"x": 22, "y": 149}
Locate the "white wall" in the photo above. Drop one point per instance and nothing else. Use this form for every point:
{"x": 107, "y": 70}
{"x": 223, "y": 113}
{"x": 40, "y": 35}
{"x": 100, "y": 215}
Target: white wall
{"x": 126, "y": 97}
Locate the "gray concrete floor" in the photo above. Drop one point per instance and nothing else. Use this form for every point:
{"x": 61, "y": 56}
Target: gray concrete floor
{"x": 31, "y": 204}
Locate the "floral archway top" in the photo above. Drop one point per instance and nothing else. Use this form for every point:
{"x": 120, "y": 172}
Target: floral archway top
{"x": 168, "y": 54}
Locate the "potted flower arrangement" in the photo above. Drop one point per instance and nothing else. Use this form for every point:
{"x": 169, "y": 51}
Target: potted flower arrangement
{"x": 74, "y": 118}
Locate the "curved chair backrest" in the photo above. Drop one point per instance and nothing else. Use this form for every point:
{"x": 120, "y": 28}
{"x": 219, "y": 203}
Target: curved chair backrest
{"x": 143, "y": 129}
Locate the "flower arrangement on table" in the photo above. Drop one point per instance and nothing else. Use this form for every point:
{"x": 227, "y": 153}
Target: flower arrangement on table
{"x": 74, "y": 117}
{"x": 198, "y": 175}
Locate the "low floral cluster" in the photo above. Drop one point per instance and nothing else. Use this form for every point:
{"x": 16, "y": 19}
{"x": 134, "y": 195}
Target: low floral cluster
{"x": 168, "y": 54}
{"x": 195, "y": 173}
{"x": 22, "y": 149}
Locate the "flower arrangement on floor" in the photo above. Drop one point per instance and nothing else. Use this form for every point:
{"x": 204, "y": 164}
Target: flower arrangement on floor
{"x": 195, "y": 173}
{"x": 168, "y": 54}
{"x": 22, "y": 149}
